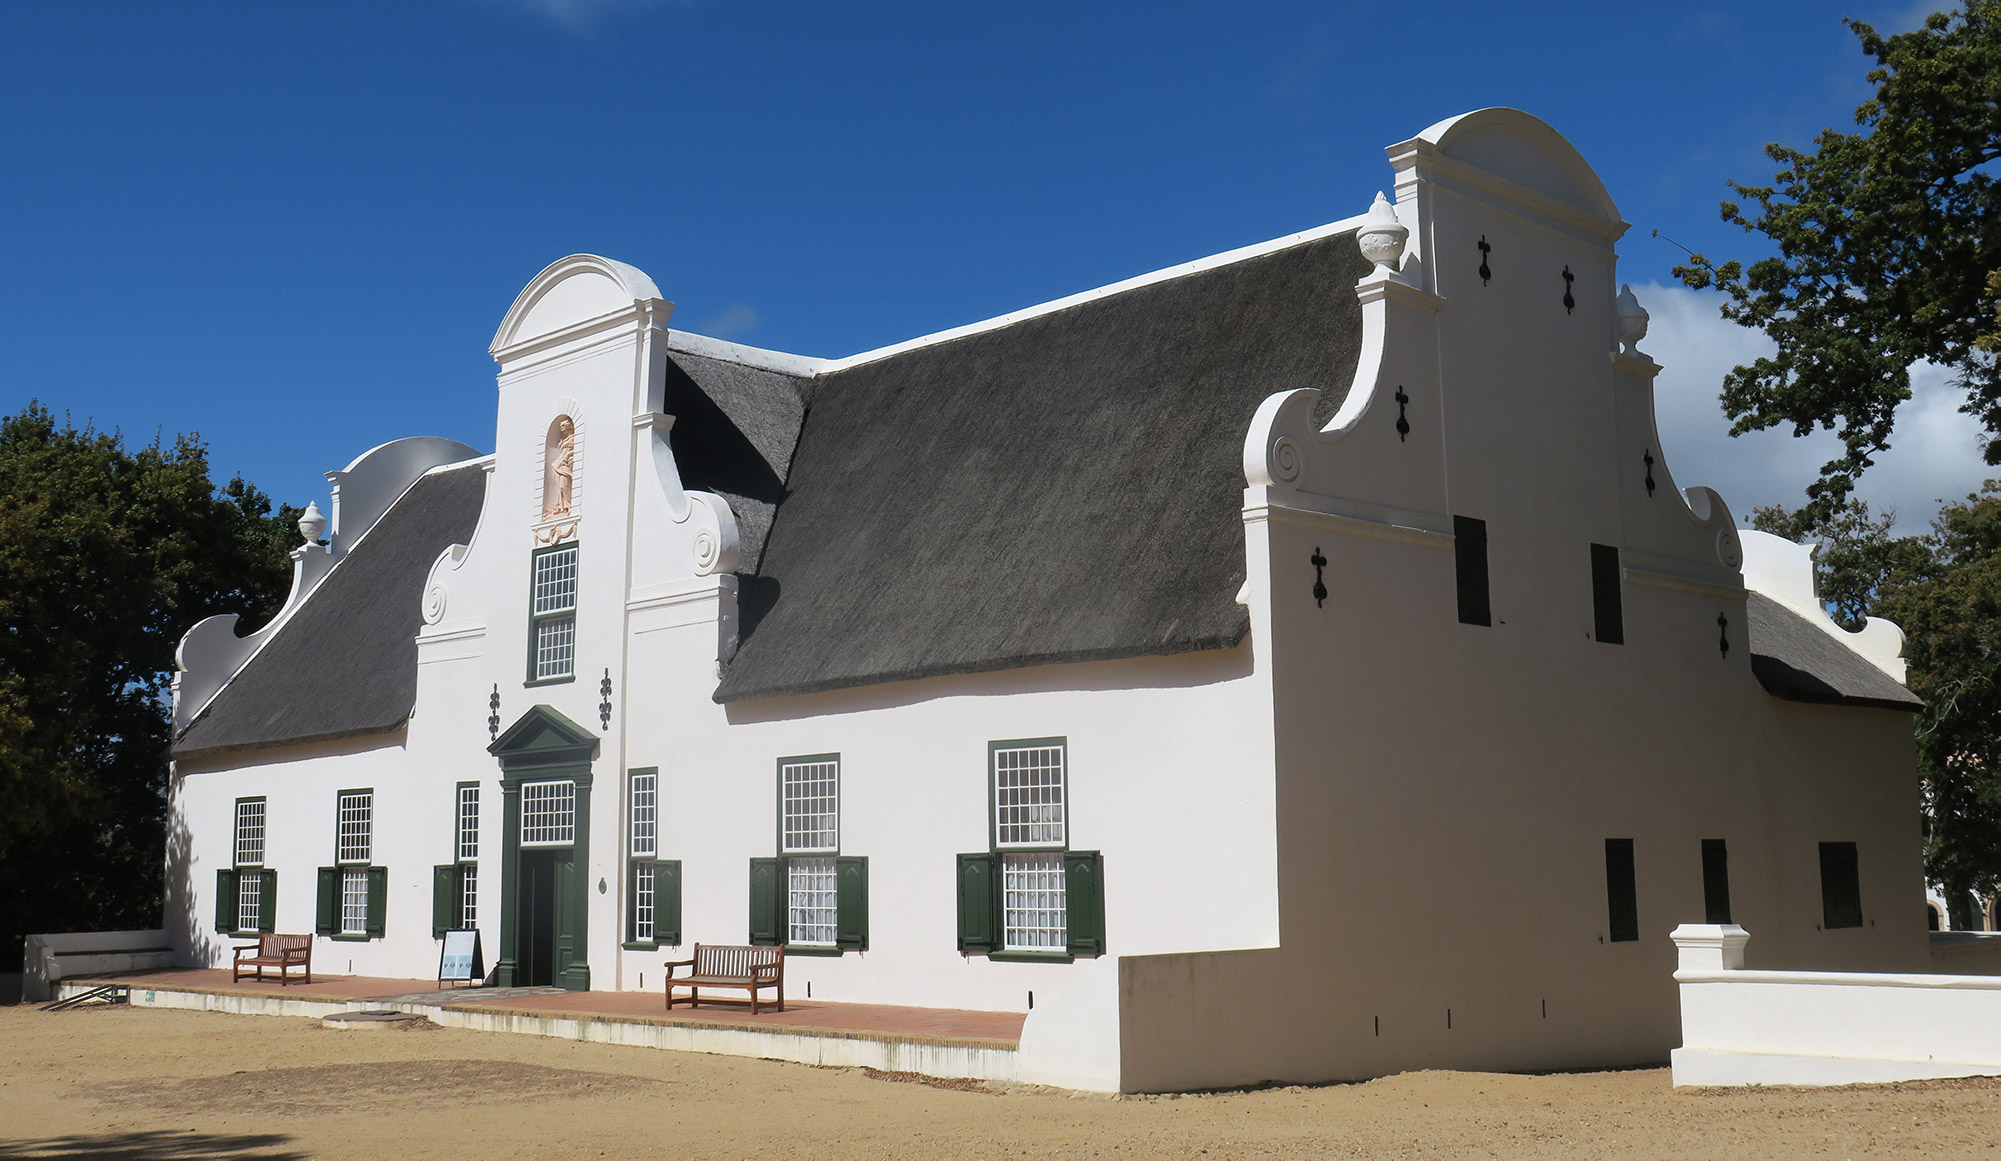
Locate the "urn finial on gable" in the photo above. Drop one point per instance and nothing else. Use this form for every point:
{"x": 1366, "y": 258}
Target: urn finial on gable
{"x": 1382, "y": 236}
{"x": 312, "y": 523}
{"x": 1633, "y": 319}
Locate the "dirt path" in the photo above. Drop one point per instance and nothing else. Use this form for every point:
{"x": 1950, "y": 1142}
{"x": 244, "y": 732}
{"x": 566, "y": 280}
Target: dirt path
{"x": 159, "y": 1085}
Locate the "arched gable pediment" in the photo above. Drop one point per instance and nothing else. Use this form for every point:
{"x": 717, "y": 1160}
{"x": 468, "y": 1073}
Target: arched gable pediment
{"x": 570, "y": 291}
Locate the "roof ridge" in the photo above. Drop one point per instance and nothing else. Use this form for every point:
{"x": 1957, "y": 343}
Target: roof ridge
{"x": 810, "y": 366}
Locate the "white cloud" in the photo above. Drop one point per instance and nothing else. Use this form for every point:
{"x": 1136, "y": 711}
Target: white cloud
{"x": 1934, "y": 450}
{"x": 733, "y": 323}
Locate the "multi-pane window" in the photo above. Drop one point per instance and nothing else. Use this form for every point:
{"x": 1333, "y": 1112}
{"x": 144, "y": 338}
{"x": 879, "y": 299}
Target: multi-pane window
{"x": 468, "y": 828}
{"x": 353, "y": 894}
{"x": 468, "y": 851}
{"x": 455, "y": 885}
{"x": 249, "y": 832}
{"x": 1029, "y": 893}
{"x": 246, "y": 891}
{"x": 553, "y": 609}
{"x": 645, "y": 813}
{"x": 354, "y": 901}
{"x": 642, "y": 903}
{"x": 809, "y": 902}
{"x": 548, "y": 814}
{"x": 810, "y": 809}
{"x": 653, "y": 896}
{"x": 1029, "y": 812}
{"x": 1028, "y": 797}
{"x": 355, "y": 826}
{"x": 810, "y": 896}
{"x": 468, "y": 895}
{"x": 809, "y": 825}
{"x": 1032, "y": 903}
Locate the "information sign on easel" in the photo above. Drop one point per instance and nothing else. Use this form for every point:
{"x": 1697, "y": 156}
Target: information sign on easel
{"x": 459, "y": 960}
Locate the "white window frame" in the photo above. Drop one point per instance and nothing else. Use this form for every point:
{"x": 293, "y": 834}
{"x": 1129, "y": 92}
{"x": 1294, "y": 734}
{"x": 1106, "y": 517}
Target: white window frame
{"x": 552, "y": 614}
{"x": 644, "y": 901}
{"x": 1022, "y": 809}
{"x": 1030, "y": 813}
{"x": 809, "y": 840}
{"x": 549, "y": 813}
{"x": 250, "y": 835}
{"x": 354, "y": 827}
{"x": 809, "y": 805}
{"x": 812, "y": 897}
{"x": 643, "y": 813}
{"x": 466, "y": 838}
{"x": 468, "y": 895}
{"x": 465, "y": 844}
{"x": 354, "y": 901}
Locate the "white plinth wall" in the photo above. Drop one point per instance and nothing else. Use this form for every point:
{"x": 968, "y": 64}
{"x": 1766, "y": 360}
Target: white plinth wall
{"x": 1820, "y": 1028}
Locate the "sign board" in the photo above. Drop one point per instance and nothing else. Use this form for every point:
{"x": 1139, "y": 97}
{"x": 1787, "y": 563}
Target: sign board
{"x": 459, "y": 960}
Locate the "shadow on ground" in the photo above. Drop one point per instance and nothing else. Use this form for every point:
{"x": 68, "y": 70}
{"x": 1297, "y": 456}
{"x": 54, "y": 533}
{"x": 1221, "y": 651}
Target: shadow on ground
{"x": 155, "y": 1146}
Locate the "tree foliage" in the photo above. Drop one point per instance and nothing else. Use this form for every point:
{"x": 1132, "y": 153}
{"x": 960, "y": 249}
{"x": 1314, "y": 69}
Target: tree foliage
{"x": 1888, "y": 251}
{"x": 107, "y": 555}
{"x": 1944, "y": 589}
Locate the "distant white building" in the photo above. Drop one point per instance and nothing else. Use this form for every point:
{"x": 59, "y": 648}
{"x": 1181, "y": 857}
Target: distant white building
{"x": 1294, "y": 665}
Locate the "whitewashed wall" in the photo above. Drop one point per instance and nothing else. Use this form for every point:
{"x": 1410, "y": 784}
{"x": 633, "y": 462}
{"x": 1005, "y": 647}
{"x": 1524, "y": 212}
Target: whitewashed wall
{"x": 1445, "y": 790}
{"x": 1370, "y": 838}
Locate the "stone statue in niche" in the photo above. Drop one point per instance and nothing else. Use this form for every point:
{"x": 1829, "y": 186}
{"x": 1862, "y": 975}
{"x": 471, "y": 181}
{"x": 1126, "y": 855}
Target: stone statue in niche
{"x": 561, "y": 468}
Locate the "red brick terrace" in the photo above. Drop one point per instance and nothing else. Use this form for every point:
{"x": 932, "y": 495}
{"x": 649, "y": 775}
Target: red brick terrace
{"x": 800, "y": 1017}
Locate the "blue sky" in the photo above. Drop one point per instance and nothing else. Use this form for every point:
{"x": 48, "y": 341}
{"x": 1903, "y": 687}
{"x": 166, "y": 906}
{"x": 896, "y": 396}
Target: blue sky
{"x": 293, "y": 227}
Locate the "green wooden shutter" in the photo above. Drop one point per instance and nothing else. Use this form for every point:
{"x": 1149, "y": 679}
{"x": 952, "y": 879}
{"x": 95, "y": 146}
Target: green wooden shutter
{"x": 225, "y": 900}
{"x": 267, "y": 895}
{"x": 1607, "y": 615}
{"x": 1622, "y": 899}
{"x": 1084, "y": 901}
{"x": 378, "y": 900}
{"x": 1715, "y": 881}
{"x": 444, "y": 899}
{"x": 326, "y": 913}
{"x": 979, "y": 905}
{"x": 851, "y": 903}
{"x": 767, "y": 901}
{"x": 667, "y": 902}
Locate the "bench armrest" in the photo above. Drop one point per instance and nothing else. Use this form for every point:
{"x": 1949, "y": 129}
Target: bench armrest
{"x": 766, "y": 969}
{"x": 296, "y": 954}
{"x": 243, "y": 947}
{"x": 674, "y": 963}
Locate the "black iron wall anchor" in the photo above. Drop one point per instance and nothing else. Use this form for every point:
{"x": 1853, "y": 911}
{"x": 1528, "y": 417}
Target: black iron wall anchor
{"x": 1569, "y": 303}
{"x": 1723, "y": 633}
{"x": 1403, "y": 418}
{"x": 1319, "y": 563}
{"x": 1648, "y": 457}
{"x": 604, "y": 707}
{"x": 1485, "y": 250}
{"x": 493, "y": 715}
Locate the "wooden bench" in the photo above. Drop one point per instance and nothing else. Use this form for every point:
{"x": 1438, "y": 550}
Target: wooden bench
{"x": 283, "y": 952}
{"x": 727, "y": 966}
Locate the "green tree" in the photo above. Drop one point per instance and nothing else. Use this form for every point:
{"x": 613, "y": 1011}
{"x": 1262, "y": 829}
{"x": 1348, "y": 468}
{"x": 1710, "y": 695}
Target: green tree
{"x": 1888, "y": 251}
{"x": 1944, "y": 589}
{"x": 107, "y": 555}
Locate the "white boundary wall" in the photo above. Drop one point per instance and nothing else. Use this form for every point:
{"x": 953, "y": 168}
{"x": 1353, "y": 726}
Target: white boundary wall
{"x": 48, "y": 959}
{"x": 1819, "y": 1028}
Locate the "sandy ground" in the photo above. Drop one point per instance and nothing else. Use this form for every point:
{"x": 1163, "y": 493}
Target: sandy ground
{"x": 149, "y": 1085}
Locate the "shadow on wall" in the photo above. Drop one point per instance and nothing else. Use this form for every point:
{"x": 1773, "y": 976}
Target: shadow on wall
{"x": 194, "y": 944}
{"x": 157, "y": 1146}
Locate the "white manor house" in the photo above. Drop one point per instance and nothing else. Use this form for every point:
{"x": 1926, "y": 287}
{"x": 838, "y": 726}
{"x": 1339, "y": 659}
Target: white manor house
{"x": 1298, "y": 664}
